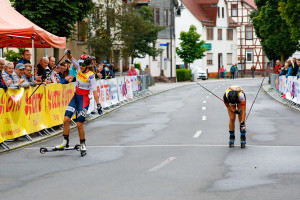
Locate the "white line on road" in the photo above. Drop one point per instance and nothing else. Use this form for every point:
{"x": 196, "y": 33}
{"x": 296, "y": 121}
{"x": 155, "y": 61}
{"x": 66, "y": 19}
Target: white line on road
{"x": 162, "y": 164}
{"x": 177, "y": 145}
{"x": 198, "y": 133}
{"x": 203, "y": 108}
{"x": 203, "y": 118}
{"x": 204, "y": 101}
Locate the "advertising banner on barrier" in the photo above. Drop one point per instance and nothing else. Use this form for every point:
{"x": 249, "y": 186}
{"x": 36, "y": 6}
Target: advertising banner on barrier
{"x": 113, "y": 91}
{"x": 58, "y": 98}
{"x": 134, "y": 83}
{"x": 297, "y": 91}
{"x": 104, "y": 93}
{"x": 122, "y": 89}
{"x": 129, "y": 94}
{"x": 140, "y": 83}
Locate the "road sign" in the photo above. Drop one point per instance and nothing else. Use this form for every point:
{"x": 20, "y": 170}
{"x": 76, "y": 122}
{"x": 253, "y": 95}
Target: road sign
{"x": 163, "y": 45}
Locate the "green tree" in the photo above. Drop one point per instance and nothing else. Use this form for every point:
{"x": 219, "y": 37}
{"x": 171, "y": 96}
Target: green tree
{"x": 55, "y": 16}
{"x": 191, "y": 47}
{"x": 289, "y": 10}
{"x": 138, "y": 33}
{"x": 273, "y": 31}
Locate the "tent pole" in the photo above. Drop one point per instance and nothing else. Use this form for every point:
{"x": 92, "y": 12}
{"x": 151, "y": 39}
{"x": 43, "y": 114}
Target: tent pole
{"x": 32, "y": 53}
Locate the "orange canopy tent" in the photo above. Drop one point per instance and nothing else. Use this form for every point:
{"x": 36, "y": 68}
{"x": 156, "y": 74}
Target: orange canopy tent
{"x": 18, "y": 31}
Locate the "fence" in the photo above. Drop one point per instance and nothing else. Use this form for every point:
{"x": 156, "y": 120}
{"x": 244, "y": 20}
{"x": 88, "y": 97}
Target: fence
{"x": 46, "y": 108}
{"x": 288, "y": 87}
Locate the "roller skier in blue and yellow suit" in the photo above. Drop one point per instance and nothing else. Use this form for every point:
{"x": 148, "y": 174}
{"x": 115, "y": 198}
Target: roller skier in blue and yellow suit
{"x": 235, "y": 101}
{"x": 85, "y": 81}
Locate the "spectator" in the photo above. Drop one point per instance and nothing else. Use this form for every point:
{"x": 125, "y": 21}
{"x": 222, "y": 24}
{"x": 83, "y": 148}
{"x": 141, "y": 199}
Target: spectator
{"x": 44, "y": 61}
{"x": 236, "y": 70}
{"x": 290, "y": 69}
{"x": 253, "y": 68}
{"x": 232, "y": 72}
{"x": 295, "y": 67}
{"x": 284, "y": 70}
{"x": 8, "y": 75}
{"x": 26, "y": 56}
{"x": 278, "y": 67}
{"x": 94, "y": 64}
{"x": 54, "y": 75}
{"x": 225, "y": 73}
{"x": 72, "y": 70}
{"x": 28, "y": 77}
{"x": 222, "y": 72}
{"x": 2, "y": 83}
{"x": 132, "y": 71}
{"x": 18, "y": 76}
{"x": 35, "y": 75}
{"x": 100, "y": 73}
{"x": 63, "y": 74}
{"x": 108, "y": 72}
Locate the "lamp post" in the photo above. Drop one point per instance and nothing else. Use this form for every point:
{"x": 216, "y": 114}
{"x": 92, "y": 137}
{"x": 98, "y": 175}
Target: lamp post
{"x": 171, "y": 37}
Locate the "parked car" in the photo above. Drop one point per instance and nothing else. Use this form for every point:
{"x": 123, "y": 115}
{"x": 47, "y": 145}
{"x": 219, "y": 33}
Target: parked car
{"x": 200, "y": 73}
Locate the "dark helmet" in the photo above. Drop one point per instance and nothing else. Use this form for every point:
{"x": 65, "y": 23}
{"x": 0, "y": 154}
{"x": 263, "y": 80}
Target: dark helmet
{"x": 86, "y": 59}
{"x": 233, "y": 97}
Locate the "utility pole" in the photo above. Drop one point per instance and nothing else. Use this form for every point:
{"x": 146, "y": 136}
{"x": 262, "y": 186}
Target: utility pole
{"x": 171, "y": 37}
{"x": 108, "y": 29}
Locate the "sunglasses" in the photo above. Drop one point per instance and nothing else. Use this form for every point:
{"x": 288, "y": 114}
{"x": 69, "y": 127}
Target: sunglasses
{"x": 82, "y": 64}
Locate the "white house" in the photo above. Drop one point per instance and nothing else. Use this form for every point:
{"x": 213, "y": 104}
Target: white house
{"x": 216, "y": 28}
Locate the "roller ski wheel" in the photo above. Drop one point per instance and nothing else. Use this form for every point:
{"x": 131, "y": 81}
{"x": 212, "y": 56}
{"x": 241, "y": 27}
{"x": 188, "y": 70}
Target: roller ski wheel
{"x": 43, "y": 150}
{"x": 243, "y": 144}
{"x": 231, "y": 143}
{"x": 83, "y": 153}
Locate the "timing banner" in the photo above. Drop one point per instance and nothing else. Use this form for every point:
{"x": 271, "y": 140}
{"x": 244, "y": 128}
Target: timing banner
{"x": 58, "y": 97}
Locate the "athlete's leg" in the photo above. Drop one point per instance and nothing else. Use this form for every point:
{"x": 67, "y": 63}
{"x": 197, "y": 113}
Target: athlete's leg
{"x": 66, "y": 129}
{"x": 231, "y": 120}
{"x": 81, "y": 131}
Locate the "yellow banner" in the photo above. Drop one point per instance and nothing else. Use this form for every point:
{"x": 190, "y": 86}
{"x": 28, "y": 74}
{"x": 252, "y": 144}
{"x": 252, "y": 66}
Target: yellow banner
{"x": 45, "y": 109}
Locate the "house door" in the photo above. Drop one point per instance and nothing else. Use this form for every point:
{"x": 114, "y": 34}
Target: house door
{"x": 220, "y": 61}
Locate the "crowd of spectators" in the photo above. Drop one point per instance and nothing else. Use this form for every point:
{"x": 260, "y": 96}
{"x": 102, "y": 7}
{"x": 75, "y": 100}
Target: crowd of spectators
{"x": 290, "y": 68}
{"x": 46, "y": 72}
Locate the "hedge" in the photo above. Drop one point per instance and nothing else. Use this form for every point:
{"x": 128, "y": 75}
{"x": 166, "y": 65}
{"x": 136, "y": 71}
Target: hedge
{"x": 183, "y": 74}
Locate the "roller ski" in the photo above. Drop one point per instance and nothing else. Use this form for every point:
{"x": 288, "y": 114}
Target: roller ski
{"x": 66, "y": 148}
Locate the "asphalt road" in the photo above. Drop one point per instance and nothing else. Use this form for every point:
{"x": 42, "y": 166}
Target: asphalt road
{"x": 169, "y": 146}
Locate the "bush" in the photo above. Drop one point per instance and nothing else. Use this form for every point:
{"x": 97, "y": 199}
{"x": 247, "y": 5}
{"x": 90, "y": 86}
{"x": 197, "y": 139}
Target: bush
{"x": 137, "y": 66}
{"x": 13, "y": 56}
{"x": 183, "y": 74}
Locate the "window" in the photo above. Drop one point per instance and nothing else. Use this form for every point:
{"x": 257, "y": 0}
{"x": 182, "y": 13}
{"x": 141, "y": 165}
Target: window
{"x": 234, "y": 10}
{"x": 222, "y": 12}
{"x": 218, "y": 12}
{"x": 166, "y": 16}
{"x": 170, "y": 18}
{"x": 81, "y": 34}
{"x": 154, "y": 45}
{"x": 210, "y": 34}
{"x": 157, "y": 16}
{"x": 229, "y": 58}
{"x": 219, "y": 34}
{"x": 249, "y": 55}
{"x": 229, "y": 34}
{"x": 209, "y": 58}
{"x": 249, "y": 32}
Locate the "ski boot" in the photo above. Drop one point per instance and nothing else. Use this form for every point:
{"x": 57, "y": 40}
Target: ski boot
{"x": 82, "y": 149}
{"x": 63, "y": 145}
{"x": 243, "y": 141}
{"x": 231, "y": 140}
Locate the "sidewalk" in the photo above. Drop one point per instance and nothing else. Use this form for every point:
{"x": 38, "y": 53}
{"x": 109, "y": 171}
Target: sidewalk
{"x": 52, "y": 132}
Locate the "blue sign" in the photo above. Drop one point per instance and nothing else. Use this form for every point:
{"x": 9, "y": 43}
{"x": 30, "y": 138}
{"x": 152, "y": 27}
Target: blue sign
{"x": 163, "y": 45}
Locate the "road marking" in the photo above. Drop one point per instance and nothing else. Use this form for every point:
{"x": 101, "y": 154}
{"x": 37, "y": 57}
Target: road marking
{"x": 162, "y": 164}
{"x": 176, "y": 145}
{"x": 204, "y": 101}
{"x": 198, "y": 133}
{"x": 203, "y": 108}
{"x": 203, "y": 118}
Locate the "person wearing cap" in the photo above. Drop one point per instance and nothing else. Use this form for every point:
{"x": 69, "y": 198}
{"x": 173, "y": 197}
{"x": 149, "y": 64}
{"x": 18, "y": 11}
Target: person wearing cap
{"x": 17, "y": 76}
{"x": 235, "y": 101}
{"x": 108, "y": 72}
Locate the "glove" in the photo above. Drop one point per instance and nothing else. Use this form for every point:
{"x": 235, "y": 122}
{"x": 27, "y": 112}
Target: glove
{"x": 99, "y": 109}
{"x": 238, "y": 112}
{"x": 67, "y": 51}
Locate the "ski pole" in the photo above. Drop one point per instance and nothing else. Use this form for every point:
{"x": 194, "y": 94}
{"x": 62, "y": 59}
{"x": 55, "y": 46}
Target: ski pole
{"x": 255, "y": 98}
{"x": 211, "y": 92}
{"x": 45, "y": 78}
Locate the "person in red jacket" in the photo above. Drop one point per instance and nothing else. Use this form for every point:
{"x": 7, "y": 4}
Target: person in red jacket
{"x": 277, "y": 67}
{"x": 132, "y": 71}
